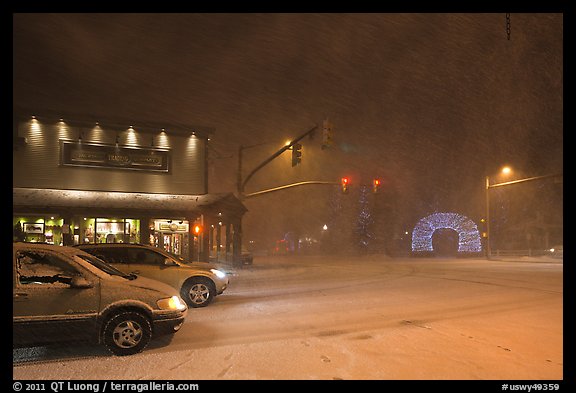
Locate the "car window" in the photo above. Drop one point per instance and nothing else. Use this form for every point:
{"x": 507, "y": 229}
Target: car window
{"x": 145, "y": 257}
{"x": 43, "y": 268}
{"x": 104, "y": 266}
{"x": 110, "y": 255}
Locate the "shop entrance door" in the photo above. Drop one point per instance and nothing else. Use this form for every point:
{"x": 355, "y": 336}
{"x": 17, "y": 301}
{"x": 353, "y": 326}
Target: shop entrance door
{"x": 172, "y": 236}
{"x": 173, "y": 242}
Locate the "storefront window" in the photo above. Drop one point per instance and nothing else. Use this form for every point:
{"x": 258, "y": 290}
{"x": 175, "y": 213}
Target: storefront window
{"x": 36, "y": 229}
{"x": 53, "y": 230}
{"x": 110, "y": 230}
{"x": 87, "y": 230}
{"x": 134, "y": 231}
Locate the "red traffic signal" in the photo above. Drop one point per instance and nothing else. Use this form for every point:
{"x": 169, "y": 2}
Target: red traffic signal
{"x": 345, "y": 182}
{"x": 197, "y": 229}
{"x": 375, "y": 185}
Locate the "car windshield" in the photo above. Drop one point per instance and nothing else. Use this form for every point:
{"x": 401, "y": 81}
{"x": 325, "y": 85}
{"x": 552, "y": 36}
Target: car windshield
{"x": 178, "y": 258}
{"x": 104, "y": 266}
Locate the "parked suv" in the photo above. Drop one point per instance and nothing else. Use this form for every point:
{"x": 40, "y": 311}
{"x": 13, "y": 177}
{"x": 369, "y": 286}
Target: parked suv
{"x": 197, "y": 283}
{"x": 65, "y": 294}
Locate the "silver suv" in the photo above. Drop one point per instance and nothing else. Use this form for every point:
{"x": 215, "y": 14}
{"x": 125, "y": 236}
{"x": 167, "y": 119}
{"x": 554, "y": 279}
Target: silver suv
{"x": 198, "y": 283}
{"x": 65, "y": 294}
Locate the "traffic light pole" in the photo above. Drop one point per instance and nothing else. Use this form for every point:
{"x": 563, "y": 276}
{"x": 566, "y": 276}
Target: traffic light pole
{"x": 302, "y": 183}
{"x": 242, "y": 184}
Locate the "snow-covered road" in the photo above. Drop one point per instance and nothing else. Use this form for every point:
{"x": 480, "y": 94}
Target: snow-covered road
{"x": 350, "y": 318}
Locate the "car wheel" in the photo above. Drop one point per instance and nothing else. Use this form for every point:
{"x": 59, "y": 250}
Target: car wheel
{"x": 198, "y": 292}
{"x": 127, "y": 333}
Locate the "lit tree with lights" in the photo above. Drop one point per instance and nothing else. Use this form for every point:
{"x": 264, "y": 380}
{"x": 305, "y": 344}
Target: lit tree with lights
{"x": 361, "y": 221}
{"x": 362, "y": 233}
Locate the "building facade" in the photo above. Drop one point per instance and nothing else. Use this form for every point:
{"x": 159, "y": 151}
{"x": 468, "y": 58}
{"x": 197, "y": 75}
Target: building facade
{"x": 78, "y": 179}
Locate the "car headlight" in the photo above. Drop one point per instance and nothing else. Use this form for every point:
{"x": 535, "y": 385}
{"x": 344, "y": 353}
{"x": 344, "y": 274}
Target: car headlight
{"x": 171, "y": 303}
{"x": 218, "y": 273}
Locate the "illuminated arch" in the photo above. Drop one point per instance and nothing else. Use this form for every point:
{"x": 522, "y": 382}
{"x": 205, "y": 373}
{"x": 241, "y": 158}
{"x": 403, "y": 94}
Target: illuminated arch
{"x": 468, "y": 235}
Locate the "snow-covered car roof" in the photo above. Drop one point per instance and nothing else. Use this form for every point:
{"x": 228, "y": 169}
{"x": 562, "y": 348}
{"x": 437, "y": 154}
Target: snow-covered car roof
{"x": 50, "y": 247}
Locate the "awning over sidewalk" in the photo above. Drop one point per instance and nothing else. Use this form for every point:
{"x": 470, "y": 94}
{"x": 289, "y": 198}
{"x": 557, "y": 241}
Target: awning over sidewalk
{"x": 39, "y": 200}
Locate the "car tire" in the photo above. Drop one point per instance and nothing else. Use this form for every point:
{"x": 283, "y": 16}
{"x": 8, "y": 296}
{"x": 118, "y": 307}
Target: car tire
{"x": 127, "y": 333}
{"x": 198, "y": 292}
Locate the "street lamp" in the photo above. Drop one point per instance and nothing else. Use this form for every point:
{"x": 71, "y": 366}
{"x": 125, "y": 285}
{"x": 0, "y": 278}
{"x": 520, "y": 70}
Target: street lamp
{"x": 289, "y": 145}
{"x": 506, "y": 171}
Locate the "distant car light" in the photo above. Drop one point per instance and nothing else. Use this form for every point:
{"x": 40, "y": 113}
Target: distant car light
{"x": 218, "y": 273}
{"x": 171, "y": 303}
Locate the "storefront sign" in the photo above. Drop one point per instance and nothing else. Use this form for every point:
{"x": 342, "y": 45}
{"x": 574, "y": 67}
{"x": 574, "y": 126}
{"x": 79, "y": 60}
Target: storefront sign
{"x": 88, "y": 154}
{"x": 172, "y": 226}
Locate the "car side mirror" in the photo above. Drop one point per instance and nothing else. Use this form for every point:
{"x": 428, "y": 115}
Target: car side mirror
{"x": 80, "y": 282}
{"x": 169, "y": 262}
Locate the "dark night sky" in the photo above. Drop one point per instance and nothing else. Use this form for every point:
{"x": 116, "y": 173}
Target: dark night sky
{"x": 429, "y": 102}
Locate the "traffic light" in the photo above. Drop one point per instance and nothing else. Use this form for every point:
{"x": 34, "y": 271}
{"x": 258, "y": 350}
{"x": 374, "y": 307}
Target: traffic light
{"x": 197, "y": 229}
{"x": 375, "y": 185}
{"x": 326, "y": 134}
{"x": 296, "y": 154}
{"x": 345, "y": 183}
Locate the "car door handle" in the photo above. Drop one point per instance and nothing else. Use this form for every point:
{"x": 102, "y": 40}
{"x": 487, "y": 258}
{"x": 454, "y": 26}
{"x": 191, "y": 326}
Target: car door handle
{"x": 20, "y": 295}
{"x": 136, "y": 272}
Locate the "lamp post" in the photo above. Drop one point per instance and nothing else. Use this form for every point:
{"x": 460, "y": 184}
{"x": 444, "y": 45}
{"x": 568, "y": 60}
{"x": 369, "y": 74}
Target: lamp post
{"x": 505, "y": 171}
{"x": 488, "y": 186}
{"x": 487, "y": 217}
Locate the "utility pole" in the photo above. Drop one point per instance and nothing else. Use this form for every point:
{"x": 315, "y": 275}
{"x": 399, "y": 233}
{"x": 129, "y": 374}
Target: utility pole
{"x": 242, "y": 183}
{"x": 240, "y": 153}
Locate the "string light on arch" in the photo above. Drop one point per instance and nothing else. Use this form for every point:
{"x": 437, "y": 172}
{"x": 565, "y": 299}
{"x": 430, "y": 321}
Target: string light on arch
{"x": 468, "y": 234}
